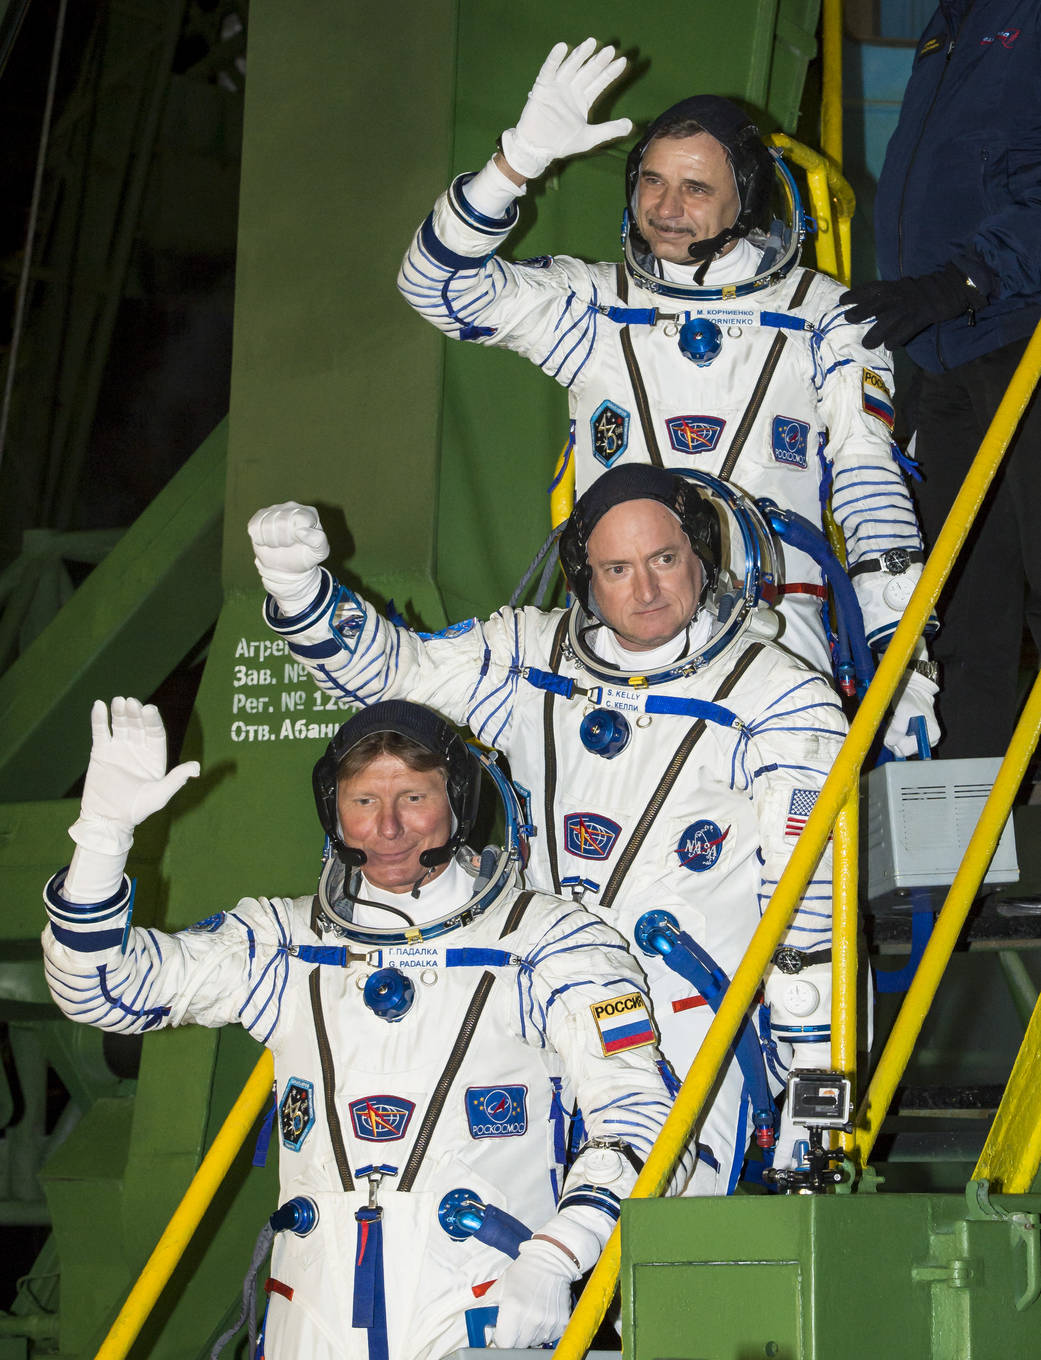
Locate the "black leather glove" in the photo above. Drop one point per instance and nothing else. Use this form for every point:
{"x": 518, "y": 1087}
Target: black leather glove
{"x": 904, "y": 307}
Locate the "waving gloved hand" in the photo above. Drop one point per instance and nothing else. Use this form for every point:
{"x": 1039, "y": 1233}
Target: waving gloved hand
{"x": 534, "y": 1291}
{"x": 555, "y": 120}
{"x": 904, "y": 307}
{"x": 288, "y": 544}
{"x": 127, "y": 779}
{"x": 915, "y": 698}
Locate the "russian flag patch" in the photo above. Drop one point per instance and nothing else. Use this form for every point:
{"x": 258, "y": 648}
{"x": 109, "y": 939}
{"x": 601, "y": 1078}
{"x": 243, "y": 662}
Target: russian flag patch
{"x": 623, "y": 1023}
{"x": 877, "y": 401}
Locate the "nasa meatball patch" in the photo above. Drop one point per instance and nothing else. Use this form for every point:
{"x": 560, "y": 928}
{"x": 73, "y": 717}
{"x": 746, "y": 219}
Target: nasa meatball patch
{"x": 701, "y": 845}
{"x": 497, "y": 1111}
{"x": 623, "y": 1023}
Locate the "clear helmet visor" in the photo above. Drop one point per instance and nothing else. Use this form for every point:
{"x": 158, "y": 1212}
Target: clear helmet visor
{"x": 740, "y": 600}
{"x": 777, "y": 243}
{"x": 339, "y": 884}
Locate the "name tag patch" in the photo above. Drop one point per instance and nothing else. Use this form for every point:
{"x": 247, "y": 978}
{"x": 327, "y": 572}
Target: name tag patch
{"x": 623, "y": 1023}
{"x": 380, "y": 1119}
{"x": 497, "y": 1111}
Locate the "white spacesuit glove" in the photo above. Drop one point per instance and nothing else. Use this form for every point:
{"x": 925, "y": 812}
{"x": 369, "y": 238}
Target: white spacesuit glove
{"x": 555, "y": 120}
{"x": 915, "y": 697}
{"x": 288, "y": 545}
{"x": 126, "y": 782}
{"x": 533, "y": 1293}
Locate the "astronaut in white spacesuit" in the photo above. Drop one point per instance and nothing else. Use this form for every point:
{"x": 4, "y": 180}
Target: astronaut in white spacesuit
{"x": 672, "y": 751}
{"x": 708, "y": 347}
{"x": 433, "y": 1027}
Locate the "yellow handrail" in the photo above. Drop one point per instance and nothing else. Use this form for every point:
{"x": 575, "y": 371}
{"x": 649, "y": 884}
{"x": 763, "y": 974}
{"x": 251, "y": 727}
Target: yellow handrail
{"x": 188, "y": 1214}
{"x": 832, "y": 202}
{"x": 831, "y": 81}
{"x": 845, "y": 880}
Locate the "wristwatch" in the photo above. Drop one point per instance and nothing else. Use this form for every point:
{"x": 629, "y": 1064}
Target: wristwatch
{"x": 894, "y": 561}
{"x": 930, "y": 669}
{"x": 789, "y": 960}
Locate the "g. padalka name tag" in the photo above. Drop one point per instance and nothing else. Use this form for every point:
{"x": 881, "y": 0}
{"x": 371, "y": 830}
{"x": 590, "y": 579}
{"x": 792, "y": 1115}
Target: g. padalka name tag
{"x": 623, "y": 1023}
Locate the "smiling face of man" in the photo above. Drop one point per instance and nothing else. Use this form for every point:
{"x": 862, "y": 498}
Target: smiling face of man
{"x": 686, "y": 192}
{"x": 393, "y": 813}
{"x": 645, "y": 576}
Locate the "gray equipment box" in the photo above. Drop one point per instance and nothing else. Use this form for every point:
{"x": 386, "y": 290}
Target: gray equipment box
{"x": 917, "y": 817}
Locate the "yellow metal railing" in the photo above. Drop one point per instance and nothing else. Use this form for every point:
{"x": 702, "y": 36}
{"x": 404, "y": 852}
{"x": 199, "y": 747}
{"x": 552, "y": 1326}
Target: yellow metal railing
{"x": 188, "y": 1214}
{"x": 832, "y": 202}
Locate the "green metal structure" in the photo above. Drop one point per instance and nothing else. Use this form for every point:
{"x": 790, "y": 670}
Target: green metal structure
{"x": 430, "y": 463}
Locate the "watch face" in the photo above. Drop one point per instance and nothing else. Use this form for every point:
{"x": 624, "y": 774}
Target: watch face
{"x": 896, "y": 561}
{"x": 788, "y": 960}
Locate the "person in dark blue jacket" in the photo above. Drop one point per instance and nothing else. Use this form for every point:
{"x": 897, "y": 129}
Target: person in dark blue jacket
{"x": 958, "y": 230}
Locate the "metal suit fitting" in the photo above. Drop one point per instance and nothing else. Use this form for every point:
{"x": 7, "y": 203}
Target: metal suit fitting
{"x": 461, "y": 1213}
{"x": 605, "y": 733}
{"x": 298, "y": 1215}
{"x": 656, "y": 932}
{"x": 389, "y": 993}
{"x": 700, "y": 340}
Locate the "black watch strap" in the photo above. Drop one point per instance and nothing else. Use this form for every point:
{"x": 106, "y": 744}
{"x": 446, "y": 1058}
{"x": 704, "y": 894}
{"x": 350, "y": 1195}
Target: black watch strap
{"x": 894, "y": 561}
{"x": 790, "y": 960}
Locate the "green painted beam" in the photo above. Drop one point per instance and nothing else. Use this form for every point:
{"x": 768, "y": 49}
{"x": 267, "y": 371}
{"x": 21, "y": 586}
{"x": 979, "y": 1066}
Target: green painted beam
{"x": 134, "y": 618}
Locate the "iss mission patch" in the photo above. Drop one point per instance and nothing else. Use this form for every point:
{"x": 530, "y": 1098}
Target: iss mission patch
{"x": 380, "y": 1119}
{"x": 623, "y": 1022}
{"x": 497, "y": 1111}
{"x": 296, "y": 1113}
{"x": 609, "y": 428}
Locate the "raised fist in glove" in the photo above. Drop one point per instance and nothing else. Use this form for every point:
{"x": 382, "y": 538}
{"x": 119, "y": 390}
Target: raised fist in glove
{"x": 288, "y": 545}
{"x": 127, "y": 779}
{"x": 555, "y": 120}
{"x": 914, "y": 698}
{"x": 904, "y": 307}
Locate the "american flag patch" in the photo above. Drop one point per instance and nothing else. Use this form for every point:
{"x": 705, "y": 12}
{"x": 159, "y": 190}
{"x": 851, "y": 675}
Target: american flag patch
{"x": 877, "y": 401}
{"x": 800, "y": 805}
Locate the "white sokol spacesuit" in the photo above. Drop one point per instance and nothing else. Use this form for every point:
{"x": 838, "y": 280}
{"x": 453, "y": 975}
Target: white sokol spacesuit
{"x": 426, "y": 1074}
{"x": 745, "y": 368}
{"x": 682, "y": 788}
